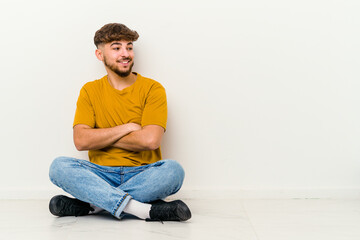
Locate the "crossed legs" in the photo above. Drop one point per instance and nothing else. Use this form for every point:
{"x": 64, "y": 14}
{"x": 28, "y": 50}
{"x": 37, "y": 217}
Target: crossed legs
{"x": 111, "y": 188}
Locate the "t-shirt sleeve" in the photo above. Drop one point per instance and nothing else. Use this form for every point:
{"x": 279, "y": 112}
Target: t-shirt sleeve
{"x": 155, "y": 110}
{"x": 84, "y": 113}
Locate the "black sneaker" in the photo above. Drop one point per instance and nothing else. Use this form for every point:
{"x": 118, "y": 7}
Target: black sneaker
{"x": 64, "y": 206}
{"x": 169, "y": 211}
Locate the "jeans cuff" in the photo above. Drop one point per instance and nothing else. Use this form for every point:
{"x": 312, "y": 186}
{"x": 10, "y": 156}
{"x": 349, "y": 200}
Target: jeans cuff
{"x": 121, "y": 205}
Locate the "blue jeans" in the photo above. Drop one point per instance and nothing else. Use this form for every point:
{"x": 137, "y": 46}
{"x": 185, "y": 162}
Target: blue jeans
{"x": 111, "y": 188}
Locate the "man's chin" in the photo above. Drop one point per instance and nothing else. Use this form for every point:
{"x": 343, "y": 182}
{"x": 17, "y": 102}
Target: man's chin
{"x": 123, "y": 74}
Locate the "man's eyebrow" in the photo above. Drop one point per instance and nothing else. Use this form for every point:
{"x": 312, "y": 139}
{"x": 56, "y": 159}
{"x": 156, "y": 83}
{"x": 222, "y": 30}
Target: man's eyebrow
{"x": 117, "y": 43}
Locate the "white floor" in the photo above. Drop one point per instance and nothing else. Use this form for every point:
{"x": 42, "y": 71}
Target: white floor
{"x": 304, "y": 219}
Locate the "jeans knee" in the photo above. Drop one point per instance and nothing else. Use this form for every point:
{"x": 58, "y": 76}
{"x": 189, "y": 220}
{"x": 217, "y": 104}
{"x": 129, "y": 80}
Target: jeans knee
{"x": 57, "y": 168}
{"x": 175, "y": 172}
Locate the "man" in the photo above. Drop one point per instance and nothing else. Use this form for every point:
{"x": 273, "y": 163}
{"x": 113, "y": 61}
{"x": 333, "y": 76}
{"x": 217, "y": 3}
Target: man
{"x": 120, "y": 119}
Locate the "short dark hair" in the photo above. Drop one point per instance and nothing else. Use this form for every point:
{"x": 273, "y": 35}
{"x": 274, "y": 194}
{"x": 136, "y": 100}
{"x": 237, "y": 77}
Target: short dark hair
{"x": 114, "y": 32}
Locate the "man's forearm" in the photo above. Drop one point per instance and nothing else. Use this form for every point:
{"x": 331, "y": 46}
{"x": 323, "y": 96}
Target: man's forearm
{"x": 135, "y": 141}
{"x": 86, "y": 138}
{"x": 148, "y": 138}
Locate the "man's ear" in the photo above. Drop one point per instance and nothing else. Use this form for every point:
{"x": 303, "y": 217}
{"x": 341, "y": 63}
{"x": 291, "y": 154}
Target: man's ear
{"x": 99, "y": 54}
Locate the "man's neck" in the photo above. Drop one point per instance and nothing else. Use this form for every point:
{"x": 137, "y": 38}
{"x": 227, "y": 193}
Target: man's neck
{"x": 120, "y": 83}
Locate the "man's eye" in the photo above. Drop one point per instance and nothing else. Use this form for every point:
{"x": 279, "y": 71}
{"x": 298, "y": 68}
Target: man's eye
{"x": 130, "y": 49}
{"x": 116, "y": 48}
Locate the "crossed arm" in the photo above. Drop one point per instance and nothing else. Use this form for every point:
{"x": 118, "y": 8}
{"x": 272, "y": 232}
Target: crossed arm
{"x": 129, "y": 136}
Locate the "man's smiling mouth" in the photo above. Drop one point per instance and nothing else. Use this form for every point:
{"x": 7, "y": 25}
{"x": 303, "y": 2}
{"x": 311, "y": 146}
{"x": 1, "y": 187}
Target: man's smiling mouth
{"x": 124, "y": 62}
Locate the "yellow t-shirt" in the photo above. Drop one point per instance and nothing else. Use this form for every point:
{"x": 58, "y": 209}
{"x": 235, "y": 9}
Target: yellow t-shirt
{"x": 101, "y": 106}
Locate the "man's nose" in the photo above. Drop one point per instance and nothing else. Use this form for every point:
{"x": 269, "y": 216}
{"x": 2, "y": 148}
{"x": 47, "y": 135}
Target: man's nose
{"x": 124, "y": 53}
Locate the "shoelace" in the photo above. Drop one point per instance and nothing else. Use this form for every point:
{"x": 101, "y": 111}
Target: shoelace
{"x": 75, "y": 210}
{"x": 166, "y": 212}
{"x": 154, "y": 220}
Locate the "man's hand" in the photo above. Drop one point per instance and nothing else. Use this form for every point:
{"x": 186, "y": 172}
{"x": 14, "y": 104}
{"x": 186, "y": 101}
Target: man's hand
{"x": 88, "y": 138}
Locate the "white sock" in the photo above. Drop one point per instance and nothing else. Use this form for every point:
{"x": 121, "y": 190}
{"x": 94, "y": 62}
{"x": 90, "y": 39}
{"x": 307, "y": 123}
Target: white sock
{"x": 138, "y": 209}
{"x": 96, "y": 209}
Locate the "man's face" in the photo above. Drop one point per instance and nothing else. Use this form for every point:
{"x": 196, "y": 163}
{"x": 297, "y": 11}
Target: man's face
{"x": 118, "y": 56}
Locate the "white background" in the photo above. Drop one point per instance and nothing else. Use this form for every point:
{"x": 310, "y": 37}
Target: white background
{"x": 263, "y": 96}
